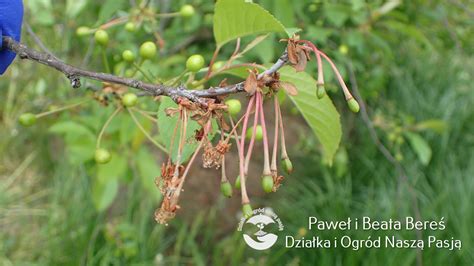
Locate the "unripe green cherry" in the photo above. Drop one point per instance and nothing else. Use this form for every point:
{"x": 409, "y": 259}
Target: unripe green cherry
{"x": 187, "y": 11}
{"x": 233, "y": 106}
{"x": 83, "y": 31}
{"x": 128, "y": 56}
{"x": 321, "y": 91}
{"x": 129, "y": 99}
{"x": 195, "y": 63}
{"x": 218, "y": 65}
{"x": 267, "y": 183}
{"x": 353, "y": 105}
{"x": 101, "y": 37}
{"x": 247, "y": 211}
{"x": 226, "y": 189}
{"x": 343, "y": 49}
{"x": 148, "y": 50}
{"x": 287, "y": 165}
{"x": 102, "y": 156}
{"x": 130, "y": 27}
{"x": 237, "y": 182}
{"x": 258, "y": 133}
{"x": 27, "y": 119}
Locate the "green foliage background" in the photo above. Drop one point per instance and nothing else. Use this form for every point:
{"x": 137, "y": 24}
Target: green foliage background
{"x": 414, "y": 66}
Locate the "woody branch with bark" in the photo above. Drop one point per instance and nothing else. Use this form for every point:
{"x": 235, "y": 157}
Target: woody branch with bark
{"x": 74, "y": 74}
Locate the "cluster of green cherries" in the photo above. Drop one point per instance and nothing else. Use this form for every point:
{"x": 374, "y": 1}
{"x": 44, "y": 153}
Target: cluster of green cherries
{"x": 103, "y": 156}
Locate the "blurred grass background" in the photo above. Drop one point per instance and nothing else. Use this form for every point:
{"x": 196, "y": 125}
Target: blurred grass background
{"x": 413, "y": 62}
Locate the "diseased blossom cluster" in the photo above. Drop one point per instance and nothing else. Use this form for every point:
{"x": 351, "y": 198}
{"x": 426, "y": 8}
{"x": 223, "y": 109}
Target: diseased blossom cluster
{"x": 245, "y": 132}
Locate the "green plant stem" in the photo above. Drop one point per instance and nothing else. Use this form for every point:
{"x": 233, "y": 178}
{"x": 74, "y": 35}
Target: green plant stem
{"x": 105, "y": 61}
{"x": 158, "y": 145}
{"x": 168, "y": 15}
{"x": 139, "y": 69}
{"x": 107, "y": 123}
{"x": 145, "y": 114}
{"x": 64, "y": 108}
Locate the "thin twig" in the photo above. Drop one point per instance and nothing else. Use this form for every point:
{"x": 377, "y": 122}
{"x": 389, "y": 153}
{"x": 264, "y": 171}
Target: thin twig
{"x": 386, "y": 153}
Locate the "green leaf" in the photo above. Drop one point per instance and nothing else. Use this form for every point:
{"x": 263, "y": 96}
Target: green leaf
{"x": 148, "y": 169}
{"x": 292, "y": 31}
{"x": 337, "y": 14}
{"x": 103, "y": 194}
{"x": 109, "y": 9}
{"x": 420, "y": 146}
{"x": 236, "y": 18}
{"x": 74, "y": 7}
{"x": 320, "y": 114}
{"x": 42, "y": 10}
{"x": 72, "y": 129}
{"x": 439, "y": 126}
{"x": 79, "y": 139}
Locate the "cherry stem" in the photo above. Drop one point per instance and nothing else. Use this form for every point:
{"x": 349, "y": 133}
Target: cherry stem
{"x": 142, "y": 129}
{"x": 252, "y": 139}
{"x": 236, "y": 136}
{"x": 145, "y": 114}
{"x": 139, "y": 69}
{"x": 224, "y": 176}
{"x": 182, "y": 139}
{"x": 347, "y": 93}
{"x": 114, "y": 22}
{"x": 273, "y": 167}
{"x": 170, "y": 153}
{"x": 266, "y": 155}
{"x": 64, "y": 108}
{"x": 320, "y": 69}
{"x": 167, "y": 15}
{"x": 214, "y": 57}
{"x": 107, "y": 123}
{"x": 234, "y": 129}
{"x": 284, "y": 154}
{"x": 196, "y": 152}
{"x": 105, "y": 61}
{"x": 245, "y": 198}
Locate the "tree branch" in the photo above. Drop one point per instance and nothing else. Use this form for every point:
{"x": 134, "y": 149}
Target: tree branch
{"x": 74, "y": 74}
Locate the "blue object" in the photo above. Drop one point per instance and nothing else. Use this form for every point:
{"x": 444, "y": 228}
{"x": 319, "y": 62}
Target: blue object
{"x": 11, "y": 17}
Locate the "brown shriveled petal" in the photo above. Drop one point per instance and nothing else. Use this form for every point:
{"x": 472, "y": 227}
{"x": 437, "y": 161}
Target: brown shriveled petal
{"x": 251, "y": 83}
{"x": 289, "y": 87}
{"x": 211, "y": 157}
{"x": 222, "y": 123}
{"x": 302, "y": 60}
{"x": 277, "y": 180}
{"x": 113, "y": 88}
{"x": 199, "y": 134}
{"x": 292, "y": 53}
{"x": 166, "y": 212}
{"x": 223, "y": 147}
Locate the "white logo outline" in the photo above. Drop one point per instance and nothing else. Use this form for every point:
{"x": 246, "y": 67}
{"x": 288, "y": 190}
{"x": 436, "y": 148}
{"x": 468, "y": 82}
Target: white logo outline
{"x": 261, "y": 218}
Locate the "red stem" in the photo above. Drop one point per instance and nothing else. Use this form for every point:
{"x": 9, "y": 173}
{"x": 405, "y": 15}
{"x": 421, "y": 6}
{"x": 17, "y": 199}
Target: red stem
{"x": 266, "y": 156}
{"x": 347, "y": 93}
{"x": 245, "y": 198}
{"x": 252, "y": 139}
{"x": 273, "y": 167}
